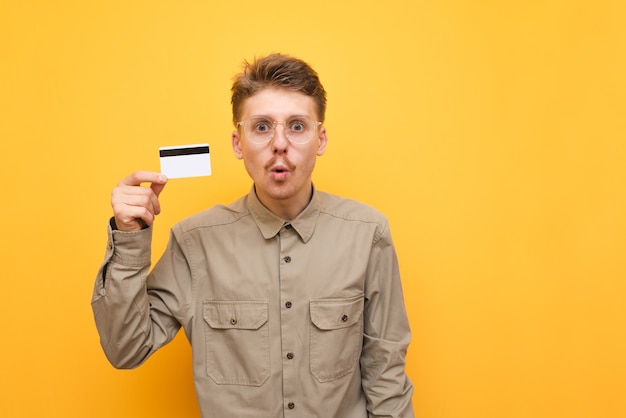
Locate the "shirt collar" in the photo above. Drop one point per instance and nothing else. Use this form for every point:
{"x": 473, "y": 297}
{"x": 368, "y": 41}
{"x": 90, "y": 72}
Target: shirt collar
{"x": 270, "y": 224}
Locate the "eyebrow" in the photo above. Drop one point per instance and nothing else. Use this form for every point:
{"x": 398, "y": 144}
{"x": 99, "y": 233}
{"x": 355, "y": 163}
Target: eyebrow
{"x": 288, "y": 117}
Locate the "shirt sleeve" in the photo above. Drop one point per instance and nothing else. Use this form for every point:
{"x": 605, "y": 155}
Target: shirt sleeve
{"x": 133, "y": 317}
{"x": 386, "y": 335}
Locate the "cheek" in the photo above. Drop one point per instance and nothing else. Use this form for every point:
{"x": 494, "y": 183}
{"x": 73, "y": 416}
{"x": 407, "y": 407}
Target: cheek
{"x": 308, "y": 161}
{"x": 252, "y": 165}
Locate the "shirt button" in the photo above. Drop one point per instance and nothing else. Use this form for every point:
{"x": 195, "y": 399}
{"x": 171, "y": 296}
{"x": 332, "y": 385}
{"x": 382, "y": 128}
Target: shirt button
{"x": 344, "y": 318}
{"x": 233, "y": 321}
{"x": 289, "y": 356}
{"x": 288, "y": 304}
{"x": 288, "y": 226}
{"x": 287, "y": 259}
{"x": 291, "y": 405}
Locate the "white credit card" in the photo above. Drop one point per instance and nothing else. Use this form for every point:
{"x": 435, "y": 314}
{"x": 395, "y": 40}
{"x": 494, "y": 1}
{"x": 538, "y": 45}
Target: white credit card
{"x": 185, "y": 161}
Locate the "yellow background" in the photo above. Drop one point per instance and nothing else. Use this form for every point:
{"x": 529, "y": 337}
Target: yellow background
{"x": 491, "y": 133}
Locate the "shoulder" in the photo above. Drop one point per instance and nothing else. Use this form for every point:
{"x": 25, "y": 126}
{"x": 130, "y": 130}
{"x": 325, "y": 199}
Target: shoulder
{"x": 218, "y": 215}
{"x": 350, "y": 210}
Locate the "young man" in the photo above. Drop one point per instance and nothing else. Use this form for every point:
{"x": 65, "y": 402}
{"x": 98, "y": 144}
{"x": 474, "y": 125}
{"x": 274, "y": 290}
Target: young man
{"x": 290, "y": 297}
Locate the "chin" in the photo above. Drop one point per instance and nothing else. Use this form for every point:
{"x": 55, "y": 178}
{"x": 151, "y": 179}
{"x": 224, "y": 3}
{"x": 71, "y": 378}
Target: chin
{"x": 279, "y": 194}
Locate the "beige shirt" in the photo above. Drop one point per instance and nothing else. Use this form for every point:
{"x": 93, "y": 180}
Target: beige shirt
{"x": 285, "y": 319}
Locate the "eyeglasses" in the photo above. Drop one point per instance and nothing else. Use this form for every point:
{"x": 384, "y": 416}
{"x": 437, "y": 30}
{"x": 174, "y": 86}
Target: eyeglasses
{"x": 298, "y": 130}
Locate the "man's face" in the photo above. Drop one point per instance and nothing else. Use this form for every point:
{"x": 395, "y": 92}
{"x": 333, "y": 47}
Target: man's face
{"x": 281, "y": 170}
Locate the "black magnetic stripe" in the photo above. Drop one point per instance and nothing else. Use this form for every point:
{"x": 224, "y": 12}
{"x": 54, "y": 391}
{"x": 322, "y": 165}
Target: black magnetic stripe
{"x": 183, "y": 151}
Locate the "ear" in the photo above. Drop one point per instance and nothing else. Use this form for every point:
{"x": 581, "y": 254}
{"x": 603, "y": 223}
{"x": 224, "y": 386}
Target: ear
{"x": 323, "y": 139}
{"x": 236, "y": 142}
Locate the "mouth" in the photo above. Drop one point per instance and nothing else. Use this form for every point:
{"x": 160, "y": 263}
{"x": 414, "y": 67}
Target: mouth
{"x": 279, "y": 170}
{"x": 282, "y": 166}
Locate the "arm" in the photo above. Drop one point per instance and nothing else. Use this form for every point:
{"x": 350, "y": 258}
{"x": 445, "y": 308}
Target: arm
{"x": 386, "y": 335}
{"x": 132, "y": 323}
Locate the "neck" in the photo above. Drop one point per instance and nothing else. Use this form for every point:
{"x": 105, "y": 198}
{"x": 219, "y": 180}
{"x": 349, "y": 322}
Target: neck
{"x": 288, "y": 208}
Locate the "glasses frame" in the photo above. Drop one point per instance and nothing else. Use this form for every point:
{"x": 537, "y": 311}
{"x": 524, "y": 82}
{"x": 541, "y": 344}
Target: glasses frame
{"x": 275, "y": 123}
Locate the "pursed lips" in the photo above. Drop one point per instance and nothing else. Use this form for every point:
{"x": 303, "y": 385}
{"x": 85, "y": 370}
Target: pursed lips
{"x": 279, "y": 170}
{"x": 279, "y": 166}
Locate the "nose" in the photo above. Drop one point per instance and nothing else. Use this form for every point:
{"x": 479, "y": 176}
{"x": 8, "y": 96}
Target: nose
{"x": 279, "y": 141}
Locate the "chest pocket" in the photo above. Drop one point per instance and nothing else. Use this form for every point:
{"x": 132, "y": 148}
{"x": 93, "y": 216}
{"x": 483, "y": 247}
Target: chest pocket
{"x": 237, "y": 342}
{"x": 335, "y": 336}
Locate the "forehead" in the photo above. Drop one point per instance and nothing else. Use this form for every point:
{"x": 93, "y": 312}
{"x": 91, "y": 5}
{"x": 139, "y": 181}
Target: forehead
{"x": 278, "y": 103}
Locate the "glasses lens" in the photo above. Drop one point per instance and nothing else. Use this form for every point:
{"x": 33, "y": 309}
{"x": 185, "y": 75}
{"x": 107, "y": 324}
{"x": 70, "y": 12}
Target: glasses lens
{"x": 298, "y": 130}
{"x": 259, "y": 130}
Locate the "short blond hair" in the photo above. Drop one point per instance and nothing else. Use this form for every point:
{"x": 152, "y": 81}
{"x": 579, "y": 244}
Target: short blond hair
{"x": 277, "y": 70}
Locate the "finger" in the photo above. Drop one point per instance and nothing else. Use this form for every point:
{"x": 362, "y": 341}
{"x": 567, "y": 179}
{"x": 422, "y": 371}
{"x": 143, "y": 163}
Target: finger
{"x": 133, "y": 218}
{"x": 157, "y": 187}
{"x": 138, "y": 177}
{"x": 132, "y": 185}
{"x": 135, "y": 206}
{"x": 130, "y": 202}
{"x": 142, "y": 198}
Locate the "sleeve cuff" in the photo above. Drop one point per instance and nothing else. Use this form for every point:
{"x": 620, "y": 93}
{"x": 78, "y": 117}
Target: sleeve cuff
{"x": 129, "y": 248}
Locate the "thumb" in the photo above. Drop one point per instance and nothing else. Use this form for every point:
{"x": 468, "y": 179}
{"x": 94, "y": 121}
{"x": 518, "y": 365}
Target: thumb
{"x": 158, "y": 185}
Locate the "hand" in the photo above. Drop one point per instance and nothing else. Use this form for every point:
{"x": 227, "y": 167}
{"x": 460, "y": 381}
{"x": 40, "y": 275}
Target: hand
{"x": 135, "y": 206}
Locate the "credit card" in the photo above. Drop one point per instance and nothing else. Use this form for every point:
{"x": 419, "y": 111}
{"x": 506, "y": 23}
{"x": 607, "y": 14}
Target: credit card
{"x": 181, "y": 161}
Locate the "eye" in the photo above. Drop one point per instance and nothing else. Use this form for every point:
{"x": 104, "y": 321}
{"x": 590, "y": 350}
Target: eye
{"x": 262, "y": 126}
{"x": 297, "y": 126}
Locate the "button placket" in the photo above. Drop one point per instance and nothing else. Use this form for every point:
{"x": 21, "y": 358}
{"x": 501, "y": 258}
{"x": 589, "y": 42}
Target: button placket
{"x": 289, "y": 241}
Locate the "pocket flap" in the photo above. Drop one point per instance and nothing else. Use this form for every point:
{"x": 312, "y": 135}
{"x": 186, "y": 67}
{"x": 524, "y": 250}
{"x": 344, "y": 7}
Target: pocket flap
{"x": 235, "y": 314}
{"x": 328, "y": 314}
